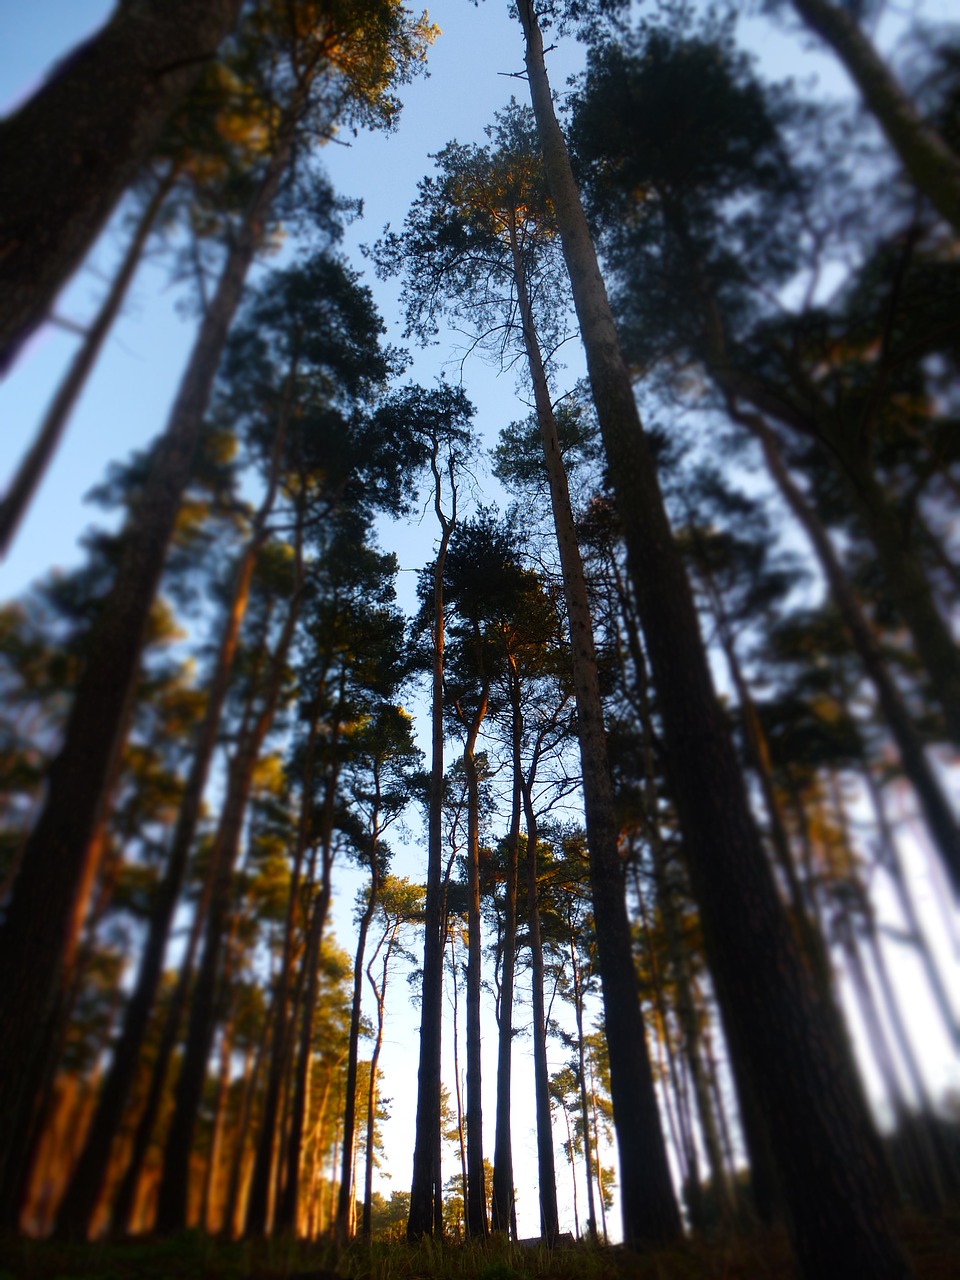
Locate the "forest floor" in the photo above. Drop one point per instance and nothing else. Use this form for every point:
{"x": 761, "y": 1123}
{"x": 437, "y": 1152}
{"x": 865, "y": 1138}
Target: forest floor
{"x": 933, "y": 1243}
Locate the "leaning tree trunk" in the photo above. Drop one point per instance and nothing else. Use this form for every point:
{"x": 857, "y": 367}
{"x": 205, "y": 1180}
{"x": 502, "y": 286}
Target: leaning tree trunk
{"x": 933, "y": 167}
{"x": 69, "y": 153}
{"x": 830, "y": 1166}
{"x": 173, "y": 1200}
{"x": 936, "y": 808}
{"x": 59, "y": 860}
{"x": 86, "y": 1184}
{"x": 648, "y": 1202}
{"x": 37, "y": 459}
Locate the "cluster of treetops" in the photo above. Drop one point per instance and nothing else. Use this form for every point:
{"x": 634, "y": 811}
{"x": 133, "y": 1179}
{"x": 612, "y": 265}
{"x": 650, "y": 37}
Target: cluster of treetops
{"x": 206, "y": 715}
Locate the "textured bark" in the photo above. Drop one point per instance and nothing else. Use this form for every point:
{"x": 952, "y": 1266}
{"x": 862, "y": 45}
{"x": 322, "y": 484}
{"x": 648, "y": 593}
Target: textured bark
{"x": 829, "y": 1164}
{"x": 930, "y": 163}
{"x": 60, "y": 857}
{"x": 31, "y": 471}
{"x": 68, "y": 154}
{"x": 648, "y": 1202}
{"x": 426, "y": 1203}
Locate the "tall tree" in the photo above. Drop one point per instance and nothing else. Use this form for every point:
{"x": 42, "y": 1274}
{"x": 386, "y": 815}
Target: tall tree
{"x": 771, "y": 1014}
{"x": 60, "y": 856}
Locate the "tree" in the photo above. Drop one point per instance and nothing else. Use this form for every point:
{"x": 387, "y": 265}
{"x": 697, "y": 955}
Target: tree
{"x": 771, "y": 1015}
{"x": 61, "y": 852}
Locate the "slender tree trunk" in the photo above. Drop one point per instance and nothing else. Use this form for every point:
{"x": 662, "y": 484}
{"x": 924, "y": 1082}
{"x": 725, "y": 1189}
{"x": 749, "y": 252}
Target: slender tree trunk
{"x": 229, "y": 1225}
{"x": 343, "y": 1226}
{"x": 258, "y": 1204}
{"x": 933, "y": 167}
{"x": 69, "y": 153}
{"x": 549, "y": 1214}
{"x": 379, "y": 996}
{"x": 426, "y": 1193}
{"x": 288, "y": 1201}
{"x": 830, "y": 1166}
{"x": 86, "y": 1184}
{"x": 893, "y": 862}
{"x": 34, "y": 465}
{"x": 502, "y": 1200}
{"x": 477, "y": 1225}
{"x": 59, "y": 858}
{"x": 650, "y": 1212}
{"x": 173, "y": 1203}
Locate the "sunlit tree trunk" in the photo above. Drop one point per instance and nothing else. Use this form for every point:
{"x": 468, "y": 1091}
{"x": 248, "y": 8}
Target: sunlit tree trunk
{"x": 59, "y": 860}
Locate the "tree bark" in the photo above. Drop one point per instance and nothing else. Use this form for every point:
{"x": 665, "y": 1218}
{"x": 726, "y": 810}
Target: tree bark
{"x": 69, "y": 153}
{"x": 830, "y": 1167}
{"x": 546, "y": 1166}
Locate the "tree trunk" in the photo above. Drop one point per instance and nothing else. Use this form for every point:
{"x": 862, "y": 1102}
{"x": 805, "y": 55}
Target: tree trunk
{"x": 86, "y": 1184}
{"x": 649, "y": 1206}
{"x": 68, "y": 154}
{"x": 59, "y": 858}
{"x": 288, "y": 1201}
{"x": 34, "y": 465}
{"x": 502, "y": 1200}
{"x": 933, "y": 167}
{"x": 830, "y": 1167}
{"x": 346, "y": 1199}
{"x": 258, "y": 1203}
{"x": 172, "y": 1204}
{"x": 546, "y": 1167}
{"x": 477, "y": 1225}
{"x": 426, "y": 1193}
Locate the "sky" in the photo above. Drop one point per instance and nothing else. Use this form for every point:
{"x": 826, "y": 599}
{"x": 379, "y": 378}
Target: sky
{"x": 471, "y": 75}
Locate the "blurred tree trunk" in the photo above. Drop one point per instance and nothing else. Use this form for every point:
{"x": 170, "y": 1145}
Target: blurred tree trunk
{"x": 68, "y": 154}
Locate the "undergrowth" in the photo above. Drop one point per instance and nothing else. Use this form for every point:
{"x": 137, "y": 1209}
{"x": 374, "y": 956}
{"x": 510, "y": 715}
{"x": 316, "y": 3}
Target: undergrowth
{"x": 933, "y": 1243}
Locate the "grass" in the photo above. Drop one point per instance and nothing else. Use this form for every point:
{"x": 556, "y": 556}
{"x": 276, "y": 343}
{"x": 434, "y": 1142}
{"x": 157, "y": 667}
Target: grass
{"x": 934, "y": 1244}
